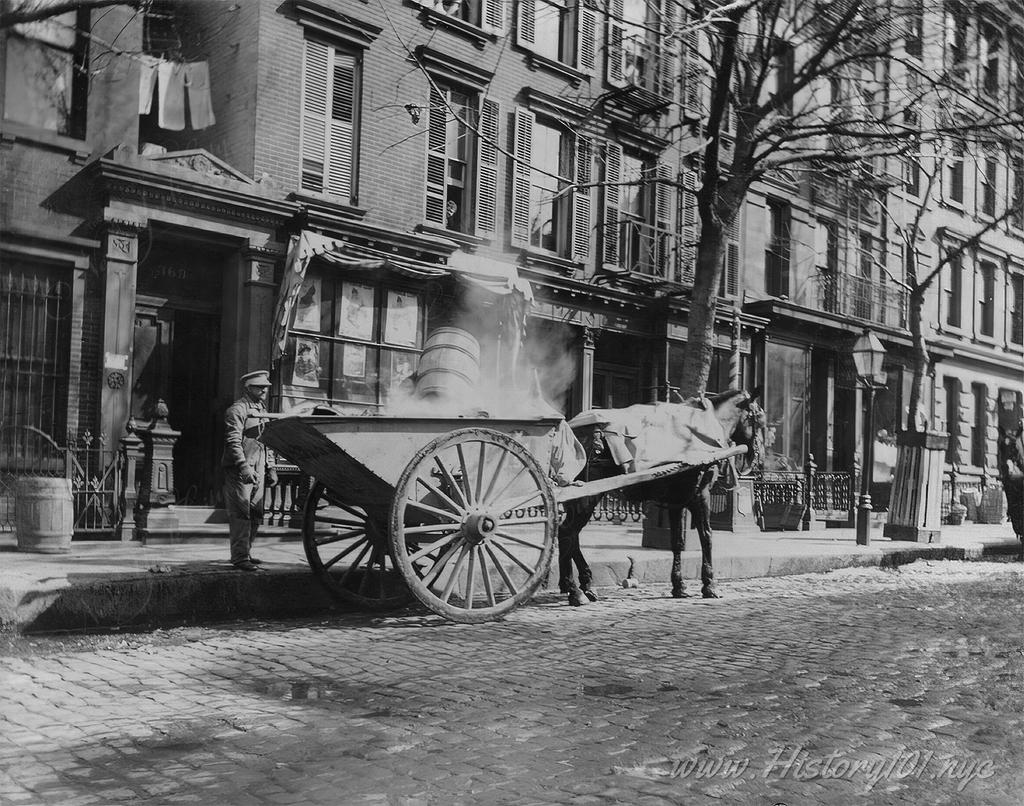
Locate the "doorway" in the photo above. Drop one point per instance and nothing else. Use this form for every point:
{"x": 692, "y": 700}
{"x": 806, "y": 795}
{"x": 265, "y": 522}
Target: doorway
{"x": 176, "y": 360}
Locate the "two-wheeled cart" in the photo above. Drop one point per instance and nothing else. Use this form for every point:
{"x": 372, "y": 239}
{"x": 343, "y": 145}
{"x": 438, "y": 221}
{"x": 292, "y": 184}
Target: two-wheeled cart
{"x": 459, "y": 513}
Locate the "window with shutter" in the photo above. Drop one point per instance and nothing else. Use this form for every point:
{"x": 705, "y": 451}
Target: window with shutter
{"x": 614, "y": 73}
{"x": 450, "y": 158}
{"x": 522, "y": 150}
{"x": 729, "y": 284}
{"x": 612, "y": 195}
{"x": 689, "y": 228}
{"x": 328, "y": 142}
{"x": 693, "y": 73}
{"x": 486, "y": 14}
{"x": 487, "y": 169}
{"x": 581, "y": 201}
{"x": 560, "y": 32}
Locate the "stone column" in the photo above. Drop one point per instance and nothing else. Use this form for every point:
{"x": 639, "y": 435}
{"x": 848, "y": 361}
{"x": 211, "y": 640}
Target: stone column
{"x": 120, "y": 270}
{"x": 259, "y": 290}
{"x": 589, "y": 337}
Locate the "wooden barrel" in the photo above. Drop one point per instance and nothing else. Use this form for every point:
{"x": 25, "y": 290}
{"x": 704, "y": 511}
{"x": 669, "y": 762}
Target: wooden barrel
{"x": 45, "y": 517}
{"x": 449, "y": 366}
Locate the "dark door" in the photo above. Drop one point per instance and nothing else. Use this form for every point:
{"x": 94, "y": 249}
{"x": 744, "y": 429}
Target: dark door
{"x": 175, "y": 360}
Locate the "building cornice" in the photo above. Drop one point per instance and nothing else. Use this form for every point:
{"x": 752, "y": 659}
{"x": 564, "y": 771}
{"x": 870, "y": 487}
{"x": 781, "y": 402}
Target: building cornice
{"x": 176, "y": 188}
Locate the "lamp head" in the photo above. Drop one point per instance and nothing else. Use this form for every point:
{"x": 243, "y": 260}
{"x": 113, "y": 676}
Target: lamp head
{"x": 868, "y": 356}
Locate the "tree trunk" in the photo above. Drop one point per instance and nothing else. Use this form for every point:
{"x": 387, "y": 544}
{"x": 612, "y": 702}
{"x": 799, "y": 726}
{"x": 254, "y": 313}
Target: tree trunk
{"x": 700, "y": 336}
{"x": 919, "y": 357}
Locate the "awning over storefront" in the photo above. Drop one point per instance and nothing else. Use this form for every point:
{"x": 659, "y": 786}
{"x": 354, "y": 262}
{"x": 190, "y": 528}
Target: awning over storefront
{"x": 495, "y": 276}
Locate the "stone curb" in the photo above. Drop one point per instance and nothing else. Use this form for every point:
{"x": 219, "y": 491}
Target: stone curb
{"x": 210, "y": 595}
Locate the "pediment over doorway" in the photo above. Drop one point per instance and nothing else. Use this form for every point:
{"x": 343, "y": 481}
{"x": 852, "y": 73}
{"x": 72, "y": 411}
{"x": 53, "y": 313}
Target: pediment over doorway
{"x": 201, "y": 161}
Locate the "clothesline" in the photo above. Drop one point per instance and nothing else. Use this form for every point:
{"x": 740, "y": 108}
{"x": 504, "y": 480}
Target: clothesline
{"x": 171, "y": 80}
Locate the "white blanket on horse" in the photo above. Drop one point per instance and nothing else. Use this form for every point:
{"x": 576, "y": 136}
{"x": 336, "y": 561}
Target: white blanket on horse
{"x": 648, "y": 435}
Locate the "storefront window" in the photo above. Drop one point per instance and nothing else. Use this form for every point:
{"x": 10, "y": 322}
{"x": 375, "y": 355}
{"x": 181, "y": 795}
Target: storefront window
{"x": 785, "y": 406}
{"x": 352, "y": 342}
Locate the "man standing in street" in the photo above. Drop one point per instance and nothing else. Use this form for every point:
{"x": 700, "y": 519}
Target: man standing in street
{"x": 245, "y": 468}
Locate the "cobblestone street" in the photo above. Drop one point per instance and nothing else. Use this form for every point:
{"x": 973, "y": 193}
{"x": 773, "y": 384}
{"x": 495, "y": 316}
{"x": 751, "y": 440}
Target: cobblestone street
{"x": 857, "y": 686}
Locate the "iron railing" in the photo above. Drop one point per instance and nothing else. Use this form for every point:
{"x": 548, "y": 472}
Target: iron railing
{"x": 860, "y": 298}
{"x": 648, "y": 249}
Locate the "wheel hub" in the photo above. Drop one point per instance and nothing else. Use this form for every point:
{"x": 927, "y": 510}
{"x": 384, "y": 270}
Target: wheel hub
{"x": 478, "y": 525}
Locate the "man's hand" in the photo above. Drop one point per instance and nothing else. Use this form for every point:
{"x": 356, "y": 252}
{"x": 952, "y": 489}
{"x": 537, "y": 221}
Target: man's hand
{"x": 246, "y": 475}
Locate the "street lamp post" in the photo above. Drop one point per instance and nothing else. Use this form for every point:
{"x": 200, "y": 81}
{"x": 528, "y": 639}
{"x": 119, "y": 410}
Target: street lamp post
{"x": 868, "y": 355}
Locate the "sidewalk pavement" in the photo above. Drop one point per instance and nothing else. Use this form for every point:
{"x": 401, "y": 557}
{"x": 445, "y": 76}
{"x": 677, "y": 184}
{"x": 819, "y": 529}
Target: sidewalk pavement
{"x": 106, "y": 584}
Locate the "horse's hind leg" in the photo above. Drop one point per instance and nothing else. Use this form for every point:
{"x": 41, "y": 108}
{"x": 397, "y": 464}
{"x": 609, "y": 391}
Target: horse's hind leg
{"x": 700, "y": 510}
{"x": 577, "y": 513}
{"x": 675, "y": 527}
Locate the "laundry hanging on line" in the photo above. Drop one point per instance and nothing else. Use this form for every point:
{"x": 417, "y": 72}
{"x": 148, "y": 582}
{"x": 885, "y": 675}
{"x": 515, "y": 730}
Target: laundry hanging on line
{"x": 171, "y": 80}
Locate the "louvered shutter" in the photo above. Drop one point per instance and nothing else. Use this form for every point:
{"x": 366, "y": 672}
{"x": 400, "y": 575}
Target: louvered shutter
{"x": 693, "y": 73}
{"x": 340, "y": 167}
{"x": 437, "y": 117}
{"x": 689, "y": 228}
{"x": 664, "y": 202}
{"x": 492, "y": 16}
{"x": 522, "y": 150}
{"x": 729, "y": 285}
{"x": 612, "y": 178}
{"x": 668, "y": 50}
{"x": 586, "y": 37}
{"x": 526, "y": 22}
{"x": 581, "y": 201}
{"x": 313, "y": 143}
{"x": 487, "y": 169}
{"x": 613, "y": 48}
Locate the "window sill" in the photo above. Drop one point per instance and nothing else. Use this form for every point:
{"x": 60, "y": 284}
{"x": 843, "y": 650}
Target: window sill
{"x": 463, "y": 239}
{"x": 537, "y": 62}
{"x": 324, "y": 202}
{"x": 432, "y": 18}
{"x": 538, "y": 259}
{"x": 11, "y": 132}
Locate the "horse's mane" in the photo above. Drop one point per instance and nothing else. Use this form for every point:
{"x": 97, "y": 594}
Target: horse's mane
{"x": 719, "y": 398}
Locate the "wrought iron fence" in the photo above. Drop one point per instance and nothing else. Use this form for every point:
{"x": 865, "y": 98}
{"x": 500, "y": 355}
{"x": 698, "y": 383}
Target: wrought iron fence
{"x": 96, "y": 471}
{"x": 614, "y": 508}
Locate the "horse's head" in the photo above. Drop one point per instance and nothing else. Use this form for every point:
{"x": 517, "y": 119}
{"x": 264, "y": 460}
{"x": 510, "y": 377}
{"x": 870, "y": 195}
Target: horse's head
{"x": 744, "y": 421}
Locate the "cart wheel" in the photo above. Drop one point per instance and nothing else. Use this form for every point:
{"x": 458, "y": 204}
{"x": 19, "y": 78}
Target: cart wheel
{"x": 348, "y": 552}
{"x": 473, "y": 525}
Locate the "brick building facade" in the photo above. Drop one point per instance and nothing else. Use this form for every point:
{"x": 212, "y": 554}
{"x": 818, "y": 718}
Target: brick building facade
{"x": 422, "y": 145}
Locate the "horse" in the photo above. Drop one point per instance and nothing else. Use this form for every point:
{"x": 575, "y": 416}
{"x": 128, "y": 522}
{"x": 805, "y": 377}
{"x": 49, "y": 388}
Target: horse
{"x": 1011, "y": 473}
{"x": 742, "y": 420}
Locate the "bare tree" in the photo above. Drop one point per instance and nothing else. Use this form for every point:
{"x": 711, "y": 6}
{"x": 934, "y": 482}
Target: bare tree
{"x": 826, "y": 87}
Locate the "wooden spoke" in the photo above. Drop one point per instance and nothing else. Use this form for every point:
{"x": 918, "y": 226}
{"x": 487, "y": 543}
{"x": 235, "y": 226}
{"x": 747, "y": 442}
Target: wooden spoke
{"x": 334, "y": 538}
{"x": 519, "y": 540}
{"x": 355, "y": 564}
{"x": 516, "y": 503}
{"x": 495, "y": 476}
{"x": 450, "y": 480}
{"x": 339, "y": 521}
{"x": 450, "y": 516}
{"x": 480, "y": 470}
{"x": 465, "y": 475}
{"x": 437, "y": 491}
{"x": 435, "y": 571}
{"x": 454, "y": 576}
{"x": 501, "y": 571}
{"x": 524, "y": 521}
{"x": 470, "y": 575}
{"x": 431, "y": 527}
{"x": 334, "y": 561}
{"x": 513, "y": 558}
{"x": 511, "y": 481}
{"x": 488, "y": 589}
{"x": 419, "y": 555}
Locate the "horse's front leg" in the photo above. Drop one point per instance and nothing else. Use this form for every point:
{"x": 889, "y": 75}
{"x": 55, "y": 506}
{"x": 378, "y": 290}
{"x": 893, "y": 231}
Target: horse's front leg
{"x": 675, "y": 530}
{"x": 700, "y": 510}
{"x": 577, "y": 513}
